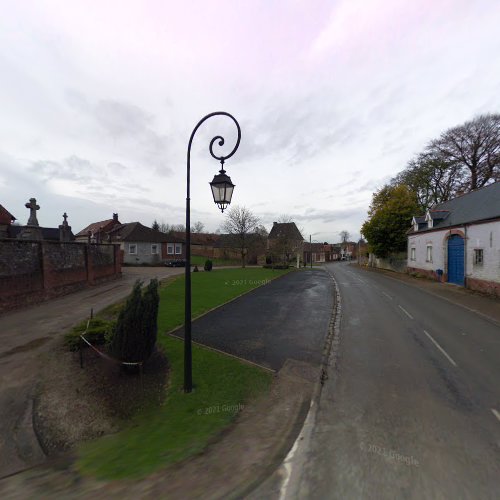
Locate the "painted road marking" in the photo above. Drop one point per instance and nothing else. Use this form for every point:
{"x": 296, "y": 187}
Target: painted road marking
{"x": 405, "y": 311}
{"x": 388, "y": 296}
{"x": 496, "y": 413}
{"x": 440, "y": 348}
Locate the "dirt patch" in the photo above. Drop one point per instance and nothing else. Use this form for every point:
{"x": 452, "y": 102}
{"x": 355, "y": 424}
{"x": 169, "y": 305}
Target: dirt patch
{"x": 75, "y": 404}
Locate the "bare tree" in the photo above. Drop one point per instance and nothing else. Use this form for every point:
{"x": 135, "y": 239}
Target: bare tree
{"x": 431, "y": 178}
{"x": 240, "y": 223}
{"x": 474, "y": 147}
{"x": 344, "y": 236}
{"x": 198, "y": 227}
{"x": 285, "y": 218}
{"x": 170, "y": 228}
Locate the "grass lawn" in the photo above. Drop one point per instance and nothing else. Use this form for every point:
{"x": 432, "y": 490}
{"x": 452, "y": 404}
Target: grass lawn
{"x": 185, "y": 423}
{"x": 199, "y": 260}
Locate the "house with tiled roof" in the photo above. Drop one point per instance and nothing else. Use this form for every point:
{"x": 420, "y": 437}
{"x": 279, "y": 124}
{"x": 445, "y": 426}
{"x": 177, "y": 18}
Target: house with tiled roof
{"x": 6, "y": 219}
{"x": 143, "y": 245}
{"x": 97, "y": 231}
{"x": 285, "y": 242}
{"x": 458, "y": 241}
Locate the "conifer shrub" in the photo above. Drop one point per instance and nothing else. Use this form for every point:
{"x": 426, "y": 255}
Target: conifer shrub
{"x": 136, "y": 329}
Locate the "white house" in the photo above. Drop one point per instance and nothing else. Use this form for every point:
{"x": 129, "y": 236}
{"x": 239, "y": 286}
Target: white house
{"x": 458, "y": 241}
{"x": 143, "y": 245}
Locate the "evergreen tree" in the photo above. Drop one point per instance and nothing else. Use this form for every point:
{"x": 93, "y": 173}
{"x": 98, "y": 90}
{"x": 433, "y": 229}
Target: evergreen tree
{"x": 136, "y": 328}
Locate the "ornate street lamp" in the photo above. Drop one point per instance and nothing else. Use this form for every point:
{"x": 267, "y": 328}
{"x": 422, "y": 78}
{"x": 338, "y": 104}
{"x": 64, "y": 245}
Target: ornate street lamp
{"x": 222, "y": 191}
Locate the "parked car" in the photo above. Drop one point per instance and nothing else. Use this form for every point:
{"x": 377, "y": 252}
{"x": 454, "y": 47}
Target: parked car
{"x": 176, "y": 263}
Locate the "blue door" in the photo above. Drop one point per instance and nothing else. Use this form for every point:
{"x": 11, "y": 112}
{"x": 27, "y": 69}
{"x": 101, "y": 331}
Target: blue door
{"x": 456, "y": 260}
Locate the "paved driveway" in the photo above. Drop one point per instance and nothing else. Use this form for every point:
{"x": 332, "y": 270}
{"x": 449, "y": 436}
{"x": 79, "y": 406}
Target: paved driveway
{"x": 287, "y": 318}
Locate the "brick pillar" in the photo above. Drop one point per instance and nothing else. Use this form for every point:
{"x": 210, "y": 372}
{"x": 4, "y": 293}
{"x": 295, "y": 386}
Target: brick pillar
{"x": 118, "y": 259}
{"x": 89, "y": 265}
{"x": 46, "y": 267}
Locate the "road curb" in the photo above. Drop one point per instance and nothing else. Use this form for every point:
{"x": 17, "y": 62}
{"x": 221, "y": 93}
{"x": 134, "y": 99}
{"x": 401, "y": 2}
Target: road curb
{"x": 286, "y": 473}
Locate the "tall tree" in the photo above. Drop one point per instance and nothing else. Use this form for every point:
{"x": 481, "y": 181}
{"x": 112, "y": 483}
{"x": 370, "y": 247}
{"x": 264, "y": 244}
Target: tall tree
{"x": 344, "y": 236}
{"x": 475, "y": 148}
{"x": 240, "y": 223}
{"x": 198, "y": 227}
{"x": 389, "y": 219}
{"x": 155, "y": 226}
{"x": 431, "y": 178}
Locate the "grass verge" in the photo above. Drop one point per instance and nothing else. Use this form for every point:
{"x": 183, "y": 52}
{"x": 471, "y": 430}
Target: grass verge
{"x": 185, "y": 424}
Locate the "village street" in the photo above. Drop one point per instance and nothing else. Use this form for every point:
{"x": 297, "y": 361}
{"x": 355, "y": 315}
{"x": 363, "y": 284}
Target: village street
{"x": 412, "y": 408}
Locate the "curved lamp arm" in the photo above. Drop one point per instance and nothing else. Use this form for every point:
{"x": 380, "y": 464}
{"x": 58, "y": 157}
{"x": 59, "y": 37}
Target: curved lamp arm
{"x": 188, "y": 377}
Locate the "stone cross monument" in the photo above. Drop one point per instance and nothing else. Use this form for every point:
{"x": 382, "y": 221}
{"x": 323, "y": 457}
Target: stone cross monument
{"x": 32, "y": 229}
{"x": 65, "y": 233}
{"x": 32, "y": 221}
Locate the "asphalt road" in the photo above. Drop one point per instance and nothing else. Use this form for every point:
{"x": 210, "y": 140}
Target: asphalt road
{"x": 287, "y": 318}
{"x": 413, "y": 407}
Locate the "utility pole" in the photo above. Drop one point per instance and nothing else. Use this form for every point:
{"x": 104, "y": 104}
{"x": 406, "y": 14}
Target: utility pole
{"x": 310, "y": 250}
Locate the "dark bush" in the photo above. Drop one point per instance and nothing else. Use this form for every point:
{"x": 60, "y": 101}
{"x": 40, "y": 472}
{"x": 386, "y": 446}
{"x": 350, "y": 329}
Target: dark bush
{"x": 136, "y": 328}
{"x": 99, "y": 332}
{"x": 208, "y": 265}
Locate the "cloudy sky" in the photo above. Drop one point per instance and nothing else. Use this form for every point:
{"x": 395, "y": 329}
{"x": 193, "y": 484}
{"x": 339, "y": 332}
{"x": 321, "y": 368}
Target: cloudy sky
{"x": 98, "y": 100}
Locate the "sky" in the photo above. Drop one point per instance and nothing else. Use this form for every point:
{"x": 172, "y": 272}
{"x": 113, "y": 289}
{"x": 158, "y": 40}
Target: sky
{"x": 98, "y": 101}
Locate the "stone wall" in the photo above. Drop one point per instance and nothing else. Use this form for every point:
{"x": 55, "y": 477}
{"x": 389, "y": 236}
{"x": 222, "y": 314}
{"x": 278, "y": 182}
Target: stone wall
{"x": 34, "y": 271}
{"x": 394, "y": 262}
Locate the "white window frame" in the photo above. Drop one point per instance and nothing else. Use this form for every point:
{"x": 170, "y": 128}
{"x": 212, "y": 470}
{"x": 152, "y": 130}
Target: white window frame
{"x": 478, "y": 252}
{"x": 154, "y": 249}
{"x": 428, "y": 255}
{"x": 170, "y": 248}
{"x": 413, "y": 253}
{"x": 132, "y": 248}
{"x": 178, "y": 249}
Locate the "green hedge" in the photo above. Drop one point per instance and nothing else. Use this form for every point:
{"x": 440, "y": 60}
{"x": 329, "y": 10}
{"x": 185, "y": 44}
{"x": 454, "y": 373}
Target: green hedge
{"x": 100, "y": 331}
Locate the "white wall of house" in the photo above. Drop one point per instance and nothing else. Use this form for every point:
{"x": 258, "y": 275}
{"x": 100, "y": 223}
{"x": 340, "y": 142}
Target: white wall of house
{"x": 485, "y": 237}
{"x": 418, "y": 253}
{"x": 137, "y": 252}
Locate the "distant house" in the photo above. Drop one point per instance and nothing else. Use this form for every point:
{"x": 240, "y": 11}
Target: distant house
{"x": 458, "y": 241}
{"x": 6, "y": 219}
{"x": 97, "y": 232}
{"x": 201, "y": 243}
{"x": 143, "y": 245}
{"x": 285, "y": 242}
{"x": 317, "y": 252}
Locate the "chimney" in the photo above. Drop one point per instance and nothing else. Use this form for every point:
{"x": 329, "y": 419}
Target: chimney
{"x": 274, "y": 223}
{"x": 115, "y": 217}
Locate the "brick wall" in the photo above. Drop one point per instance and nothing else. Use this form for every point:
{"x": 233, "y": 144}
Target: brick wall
{"x": 34, "y": 271}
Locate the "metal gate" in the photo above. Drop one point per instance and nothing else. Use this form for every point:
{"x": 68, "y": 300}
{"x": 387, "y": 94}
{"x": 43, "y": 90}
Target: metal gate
{"x": 456, "y": 260}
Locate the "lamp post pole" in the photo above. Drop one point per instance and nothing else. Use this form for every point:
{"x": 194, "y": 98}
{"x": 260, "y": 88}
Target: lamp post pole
{"x": 310, "y": 251}
{"x": 222, "y": 190}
